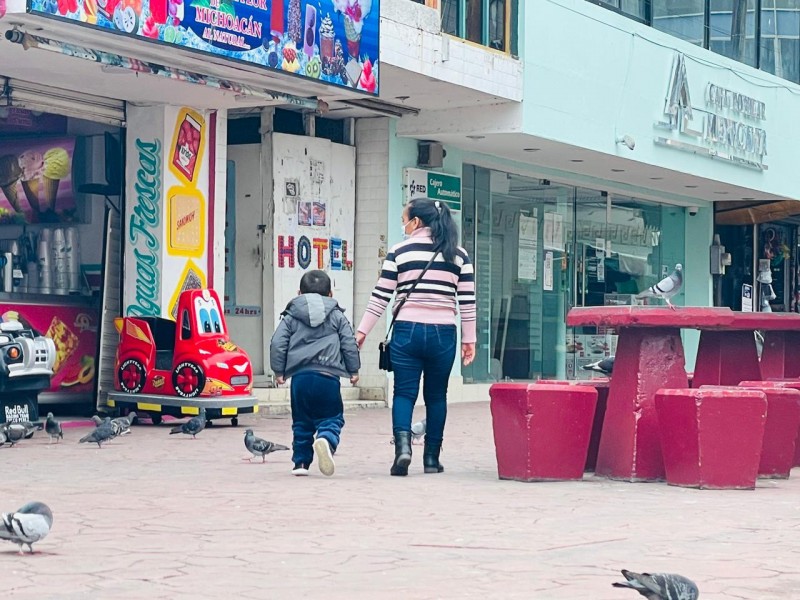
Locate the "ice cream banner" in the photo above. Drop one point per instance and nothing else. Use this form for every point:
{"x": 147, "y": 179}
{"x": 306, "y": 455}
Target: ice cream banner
{"x": 73, "y": 329}
{"x": 334, "y": 41}
{"x": 36, "y": 180}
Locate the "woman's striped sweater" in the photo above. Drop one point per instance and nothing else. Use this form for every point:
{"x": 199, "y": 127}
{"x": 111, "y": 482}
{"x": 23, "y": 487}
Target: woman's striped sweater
{"x": 436, "y": 295}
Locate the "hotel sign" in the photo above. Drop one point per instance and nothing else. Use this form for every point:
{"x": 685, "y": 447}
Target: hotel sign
{"x": 729, "y": 126}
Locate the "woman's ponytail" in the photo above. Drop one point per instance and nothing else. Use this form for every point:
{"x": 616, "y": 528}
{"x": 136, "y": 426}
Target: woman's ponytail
{"x": 436, "y": 215}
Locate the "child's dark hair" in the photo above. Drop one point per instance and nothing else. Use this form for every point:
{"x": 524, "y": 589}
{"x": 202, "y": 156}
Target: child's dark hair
{"x": 436, "y": 215}
{"x": 315, "y": 282}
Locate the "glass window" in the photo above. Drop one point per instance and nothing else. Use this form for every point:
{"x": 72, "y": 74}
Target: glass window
{"x": 540, "y": 248}
{"x": 780, "y": 38}
{"x": 732, "y": 29}
{"x": 450, "y": 16}
{"x": 474, "y": 17}
{"x": 497, "y": 24}
{"x": 681, "y": 18}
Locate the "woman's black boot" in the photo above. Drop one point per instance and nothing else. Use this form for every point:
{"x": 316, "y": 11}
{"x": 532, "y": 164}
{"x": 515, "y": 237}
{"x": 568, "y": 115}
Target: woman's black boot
{"x": 402, "y": 453}
{"x": 430, "y": 458}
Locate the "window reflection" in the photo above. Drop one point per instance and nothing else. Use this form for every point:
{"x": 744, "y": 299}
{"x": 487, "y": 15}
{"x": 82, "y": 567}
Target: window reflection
{"x": 681, "y": 18}
{"x": 780, "y": 38}
{"x": 732, "y": 29}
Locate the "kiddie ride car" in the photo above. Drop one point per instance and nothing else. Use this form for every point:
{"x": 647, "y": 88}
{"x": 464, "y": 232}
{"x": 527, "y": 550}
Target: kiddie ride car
{"x": 164, "y": 367}
{"x": 26, "y": 366}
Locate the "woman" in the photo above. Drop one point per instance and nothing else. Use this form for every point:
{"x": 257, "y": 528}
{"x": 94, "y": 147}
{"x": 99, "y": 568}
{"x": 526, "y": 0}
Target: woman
{"x": 424, "y": 336}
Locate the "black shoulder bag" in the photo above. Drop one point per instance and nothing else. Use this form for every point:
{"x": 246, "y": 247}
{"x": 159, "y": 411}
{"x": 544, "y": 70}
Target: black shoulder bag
{"x": 385, "y": 358}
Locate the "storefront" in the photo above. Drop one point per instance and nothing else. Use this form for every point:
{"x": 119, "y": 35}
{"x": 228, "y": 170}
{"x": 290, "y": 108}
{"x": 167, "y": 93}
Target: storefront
{"x": 128, "y": 209}
{"x": 542, "y": 247}
{"x": 55, "y": 172}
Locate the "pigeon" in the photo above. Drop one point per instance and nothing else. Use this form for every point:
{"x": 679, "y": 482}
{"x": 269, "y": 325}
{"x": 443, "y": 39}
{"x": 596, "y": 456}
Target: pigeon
{"x": 256, "y": 446}
{"x": 53, "y": 428}
{"x": 193, "y": 426}
{"x": 604, "y": 366}
{"x": 660, "y": 586}
{"x": 124, "y": 423}
{"x": 14, "y": 432}
{"x": 28, "y": 525}
{"x": 101, "y": 434}
{"x": 417, "y": 431}
{"x": 666, "y": 288}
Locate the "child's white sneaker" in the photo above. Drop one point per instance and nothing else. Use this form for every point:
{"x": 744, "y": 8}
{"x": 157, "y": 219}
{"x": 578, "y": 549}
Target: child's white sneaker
{"x": 300, "y": 470}
{"x": 324, "y": 456}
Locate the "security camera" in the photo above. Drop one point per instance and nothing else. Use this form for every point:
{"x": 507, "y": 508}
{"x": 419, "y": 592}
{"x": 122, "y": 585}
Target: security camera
{"x": 693, "y": 210}
{"x": 628, "y": 141}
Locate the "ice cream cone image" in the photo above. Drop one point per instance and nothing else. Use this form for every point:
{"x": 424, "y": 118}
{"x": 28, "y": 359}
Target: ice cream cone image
{"x": 56, "y": 167}
{"x": 353, "y": 35}
{"x": 32, "y": 165}
{"x": 31, "y": 189}
{"x": 327, "y": 39}
{"x": 12, "y": 195}
{"x": 10, "y": 172}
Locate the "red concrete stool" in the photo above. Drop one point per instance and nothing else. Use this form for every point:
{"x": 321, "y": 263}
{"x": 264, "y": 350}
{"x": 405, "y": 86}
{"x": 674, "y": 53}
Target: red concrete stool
{"x": 711, "y": 438}
{"x": 602, "y": 386}
{"x": 541, "y": 431}
{"x": 780, "y": 433}
{"x": 786, "y": 384}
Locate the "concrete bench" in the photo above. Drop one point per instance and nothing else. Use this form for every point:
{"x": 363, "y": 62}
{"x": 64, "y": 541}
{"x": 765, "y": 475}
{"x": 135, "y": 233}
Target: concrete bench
{"x": 782, "y": 436}
{"x": 541, "y": 431}
{"x": 711, "y": 438}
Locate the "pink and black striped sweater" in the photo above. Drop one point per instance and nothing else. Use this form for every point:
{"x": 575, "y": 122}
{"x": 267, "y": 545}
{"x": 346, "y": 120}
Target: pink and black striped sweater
{"x": 434, "y": 300}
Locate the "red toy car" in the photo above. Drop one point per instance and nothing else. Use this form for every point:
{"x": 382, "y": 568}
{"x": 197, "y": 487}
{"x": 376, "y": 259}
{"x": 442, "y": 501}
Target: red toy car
{"x": 177, "y": 367}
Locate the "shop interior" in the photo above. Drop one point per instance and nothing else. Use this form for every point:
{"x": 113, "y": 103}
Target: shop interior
{"x": 541, "y": 248}
{"x": 60, "y": 178}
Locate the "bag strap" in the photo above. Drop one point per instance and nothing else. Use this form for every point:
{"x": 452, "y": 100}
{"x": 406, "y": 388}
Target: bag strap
{"x": 400, "y": 304}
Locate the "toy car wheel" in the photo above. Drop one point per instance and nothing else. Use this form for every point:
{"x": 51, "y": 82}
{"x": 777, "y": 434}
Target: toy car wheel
{"x": 235, "y": 421}
{"x": 131, "y": 376}
{"x": 155, "y": 419}
{"x": 188, "y": 379}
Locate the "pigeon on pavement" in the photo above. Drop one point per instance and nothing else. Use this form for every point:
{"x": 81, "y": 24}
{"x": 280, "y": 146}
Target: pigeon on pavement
{"x": 660, "y": 586}
{"x": 53, "y": 429}
{"x": 28, "y": 525}
{"x": 193, "y": 426}
{"x": 124, "y": 423}
{"x": 101, "y": 434}
{"x": 417, "y": 431}
{"x": 256, "y": 446}
{"x": 666, "y": 288}
{"x": 14, "y": 432}
{"x": 604, "y": 366}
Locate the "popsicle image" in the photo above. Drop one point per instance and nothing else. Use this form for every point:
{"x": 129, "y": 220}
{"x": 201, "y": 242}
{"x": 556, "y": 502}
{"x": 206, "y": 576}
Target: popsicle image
{"x": 10, "y": 172}
{"x": 56, "y": 167}
{"x": 276, "y": 24}
{"x": 310, "y": 35}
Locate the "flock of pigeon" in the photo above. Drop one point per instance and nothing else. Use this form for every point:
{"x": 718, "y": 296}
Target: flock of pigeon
{"x": 32, "y": 522}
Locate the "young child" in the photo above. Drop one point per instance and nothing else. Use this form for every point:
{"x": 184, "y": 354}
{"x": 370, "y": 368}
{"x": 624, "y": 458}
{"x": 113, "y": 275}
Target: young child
{"x": 314, "y": 344}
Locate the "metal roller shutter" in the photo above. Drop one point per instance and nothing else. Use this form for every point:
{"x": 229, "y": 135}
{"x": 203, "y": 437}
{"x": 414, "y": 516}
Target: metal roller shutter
{"x": 35, "y": 96}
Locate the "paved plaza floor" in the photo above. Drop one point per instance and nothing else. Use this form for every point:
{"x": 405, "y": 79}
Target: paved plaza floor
{"x": 155, "y": 516}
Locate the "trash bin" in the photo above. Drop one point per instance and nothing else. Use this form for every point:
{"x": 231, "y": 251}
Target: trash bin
{"x": 541, "y": 431}
{"x": 711, "y": 438}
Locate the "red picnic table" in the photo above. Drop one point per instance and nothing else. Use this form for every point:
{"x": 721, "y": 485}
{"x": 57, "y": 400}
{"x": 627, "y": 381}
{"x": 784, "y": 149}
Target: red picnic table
{"x": 650, "y": 357}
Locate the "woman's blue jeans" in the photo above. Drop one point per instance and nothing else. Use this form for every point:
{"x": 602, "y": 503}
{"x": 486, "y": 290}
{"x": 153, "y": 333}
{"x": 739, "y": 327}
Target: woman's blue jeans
{"x": 420, "y": 350}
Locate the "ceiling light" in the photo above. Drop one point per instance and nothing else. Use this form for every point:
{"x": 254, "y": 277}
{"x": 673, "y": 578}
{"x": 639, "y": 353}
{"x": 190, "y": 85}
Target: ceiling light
{"x": 476, "y": 137}
{"x": 402, "y": 98}
{"x": 656, "y": 178}
{"x": 617, "y": 170}
{"x": 748, "y": 198}
{"x": 690, "y": 186}
{"x": 576, "y": 160}
{"x": 531, "y": 149}
{"x": 721, "y": 193}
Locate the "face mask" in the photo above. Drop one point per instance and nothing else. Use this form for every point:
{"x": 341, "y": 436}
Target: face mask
{"x": 406, "y": 235}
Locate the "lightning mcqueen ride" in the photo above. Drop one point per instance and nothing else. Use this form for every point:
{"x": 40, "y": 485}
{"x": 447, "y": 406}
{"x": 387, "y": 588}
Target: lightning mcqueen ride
{"x": 175, "y": 368}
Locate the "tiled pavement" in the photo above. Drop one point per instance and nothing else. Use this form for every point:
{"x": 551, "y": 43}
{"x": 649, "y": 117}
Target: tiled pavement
{"x": 159, "y": 516}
